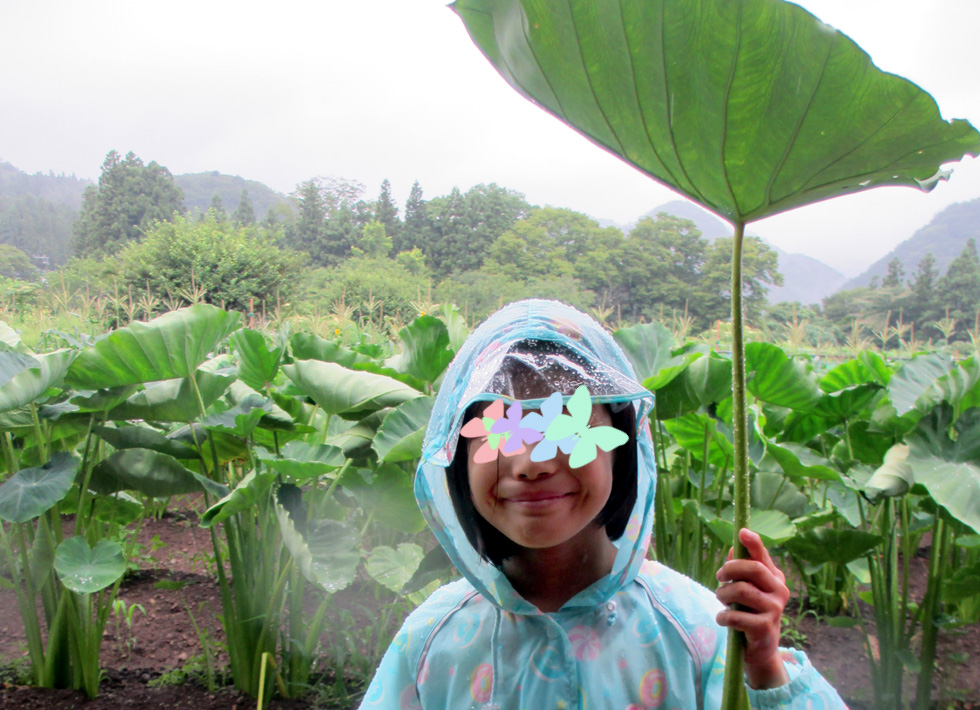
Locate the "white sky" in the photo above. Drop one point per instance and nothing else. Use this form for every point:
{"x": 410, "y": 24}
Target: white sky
{"x": 369, "y": 89}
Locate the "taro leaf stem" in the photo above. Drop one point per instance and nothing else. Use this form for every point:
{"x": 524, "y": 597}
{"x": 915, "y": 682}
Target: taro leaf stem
{"x": 733, "y": 693}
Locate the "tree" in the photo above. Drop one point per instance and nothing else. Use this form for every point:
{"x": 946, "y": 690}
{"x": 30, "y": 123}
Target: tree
{"x": 896, "y": 274}
{"x": 959, "y": 288}
{"x": 415, "y": 230}
{"x": 244, "y": 214}
{"x": 129, "y": 198}
{"x": 15, "y": 264}
{"x": 712, "y": 295}
{"x": 374, "y": 242}
{"x": 449, "y": 234}
{"x": 217, "y": 207}
{"x": 385, "y": 210}
{"x": 233, "y": 264}
{"x": 330, "y": 218}
{"x": 923, "y": 308}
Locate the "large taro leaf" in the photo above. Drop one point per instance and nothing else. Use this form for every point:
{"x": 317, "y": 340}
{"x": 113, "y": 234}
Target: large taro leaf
{"x": 165, "y": 348}
{"x": 355, "y": 441}
{"x": 748, "y": 108}
{"x": 894, "y": 477}
{"x": 32, "y": 491}
{"x": 144, "y": 437}
{"x": 648, "y": 347}
{"x": 774, "y": 377}
{"x": 707, "y": 380}
{"x": 388, "y": 490}
{"x": 798, "y": 461}
{"x": 393, "y": 568}
{"x": 13, "y": 363}
{"x": 341, "y": 391}
{"x": 773, "y": 526}
{"x": 306, "y": 346}
{"x": 868, "y": 368}
{"x": 694, "y": 432}
{"x": 144, "y": 470}
{"x": 28, "y": 384}
{"x": 85, "y": 569}
{"x": 425, "y": 349}
{"x": 257, "y": 362}
{"x": 930, "y": 379}
{"x": 455, "y": 325}
{"x": 402, "y": 431}
{"x": 174, "y": 400}
{"x": 949, "y": 467}
{"x": 821, "y": 545}
{"x": 300, "y": 461}
{"x": 245, "y": 496}
{"x": 327, "y": 552}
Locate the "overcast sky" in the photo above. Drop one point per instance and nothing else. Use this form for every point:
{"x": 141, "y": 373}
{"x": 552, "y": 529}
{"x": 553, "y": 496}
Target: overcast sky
{"x": 374, "y": 89}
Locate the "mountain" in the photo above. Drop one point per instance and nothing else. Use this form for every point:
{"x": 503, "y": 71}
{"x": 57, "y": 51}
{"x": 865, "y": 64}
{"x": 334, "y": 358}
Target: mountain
{"x": 805, "y": 279}
{"x": 37, "y": 213}
{"x": 199, "y": 188}
{"x": 945, "y": 236}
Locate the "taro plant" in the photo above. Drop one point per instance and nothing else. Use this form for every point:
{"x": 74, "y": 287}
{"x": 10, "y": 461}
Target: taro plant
{"x": 780, "y": 113}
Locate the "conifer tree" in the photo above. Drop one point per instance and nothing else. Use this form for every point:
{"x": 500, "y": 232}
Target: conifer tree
{"x": 129, "y": 198}
{"x": 244, "y": 214}
{"x": 385, "y": 210}
{"x": 959, "y": 289}
{"x": 895, "y": 275}
{"x": 415, "y": 229}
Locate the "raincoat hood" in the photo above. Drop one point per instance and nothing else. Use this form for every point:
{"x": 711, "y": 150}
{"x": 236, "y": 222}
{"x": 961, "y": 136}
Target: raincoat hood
{"x": 478, "y": 373}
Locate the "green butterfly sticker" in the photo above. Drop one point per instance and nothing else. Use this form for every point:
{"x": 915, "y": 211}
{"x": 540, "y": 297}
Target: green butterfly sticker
{"x": 588, "y": 440}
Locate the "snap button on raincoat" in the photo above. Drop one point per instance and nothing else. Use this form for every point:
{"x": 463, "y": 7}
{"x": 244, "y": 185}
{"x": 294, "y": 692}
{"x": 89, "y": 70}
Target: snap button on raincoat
{"x": 641, "y": 637}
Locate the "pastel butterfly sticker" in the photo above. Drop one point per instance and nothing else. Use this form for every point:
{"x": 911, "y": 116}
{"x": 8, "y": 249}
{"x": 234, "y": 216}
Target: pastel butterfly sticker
{"x": 546, "y": 449}
{"x": 519, "y": 434}
{"x": 576, "y": 424}
{"x": 481, "y": 428}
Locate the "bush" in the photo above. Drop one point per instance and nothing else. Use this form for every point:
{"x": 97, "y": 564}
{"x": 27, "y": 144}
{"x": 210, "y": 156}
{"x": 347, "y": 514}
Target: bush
{"x": 232, "y": 264}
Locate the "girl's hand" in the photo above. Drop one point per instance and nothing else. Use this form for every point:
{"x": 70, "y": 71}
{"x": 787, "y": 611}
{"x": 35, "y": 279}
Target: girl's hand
{"x": 759, "y": 586}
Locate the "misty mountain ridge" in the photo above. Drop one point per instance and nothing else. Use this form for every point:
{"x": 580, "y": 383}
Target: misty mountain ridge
{"x": 944, "y": 237}
{"x": 200, "y": 188}
{"x": 805, "y": 279}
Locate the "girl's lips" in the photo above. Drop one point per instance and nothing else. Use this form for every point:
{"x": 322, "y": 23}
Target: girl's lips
{"x": 536, "y": 497}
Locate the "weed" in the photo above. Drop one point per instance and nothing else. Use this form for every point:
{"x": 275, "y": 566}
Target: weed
{"x": 124, "y": 616}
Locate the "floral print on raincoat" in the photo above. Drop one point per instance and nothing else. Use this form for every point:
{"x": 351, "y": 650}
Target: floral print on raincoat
{"x": 641, "y": 637}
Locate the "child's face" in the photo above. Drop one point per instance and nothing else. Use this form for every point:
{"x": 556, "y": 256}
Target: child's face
{"x": 542, "y": 504}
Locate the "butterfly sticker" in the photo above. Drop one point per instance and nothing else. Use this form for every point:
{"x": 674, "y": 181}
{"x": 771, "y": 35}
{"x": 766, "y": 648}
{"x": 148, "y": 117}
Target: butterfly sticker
{"x": 576, "y": 424}
{"x": 546, "y": 449}
{"x": 519, "y": 434}
{"x": 482, "y": 427}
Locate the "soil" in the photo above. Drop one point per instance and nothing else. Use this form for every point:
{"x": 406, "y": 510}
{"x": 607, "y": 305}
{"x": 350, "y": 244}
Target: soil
{"x": 164, "y": 638}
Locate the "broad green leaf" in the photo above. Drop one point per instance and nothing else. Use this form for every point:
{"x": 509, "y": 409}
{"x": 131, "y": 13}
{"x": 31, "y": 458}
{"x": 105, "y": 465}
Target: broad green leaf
{"x": 962, "y": 584}
{"x": 868, "y": 368}
{"x": 403, "y": 377}
{"x": 692, "y": 431}
{"x": 355, "y": 441}
{"x": 228, "y": 446}
{"x": 435, "y": 565}
{"x": 241, "y": 419}
{"x": 168, "y": 347}
{"x": 327, "y": 552}
{"x": 748, "y": 108}
{"x": 173, "y": 400}
{"x": 847, "y": 404}
{"x": 144, "y": 437}
{"x": 949, "y": 469}
{"x": 773, "y": 526}
{"x": 894, "y": 477}
{"x": 425, "y": 349}
{"x": 257, "y": 362}
{"x": 10, "y": 339}
{"x": 707, "y": 380}
{"x": 455, "y": 325}
{"x": 301, "y": 461}
{"x": 393, "y": 568}
{"x": 648, "y": 347}
{"x": 32, "y": 491}
{"x": 402, "y": 431}
{"x": 306, "y": 346}
{"x": 774, "y": 377}
{"x": 275, "y": 418}
{"x": 799, "y": 461}
{"x": 245, "y": 496}
{"x": 12, "y": 363}
{"x": 149, "y": 472}
{"x": 388, "y": 489}
{"x": 31, "y": 382}
{"x": 85, "y": 569}
{"x": 914, "y": 384}
{"x": 774, "y": 491}
{"x": 119, "y": 509}
{"x": 821, "y": 545}
{"x": 341, "y": 391}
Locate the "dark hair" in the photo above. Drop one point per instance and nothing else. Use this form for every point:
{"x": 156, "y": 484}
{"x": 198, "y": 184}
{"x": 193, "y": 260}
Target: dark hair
{"x": 492, "y": 544}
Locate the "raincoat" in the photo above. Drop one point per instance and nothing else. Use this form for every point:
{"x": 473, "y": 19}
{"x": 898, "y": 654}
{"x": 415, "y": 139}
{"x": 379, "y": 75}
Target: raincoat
{"x": 643, "y": 636}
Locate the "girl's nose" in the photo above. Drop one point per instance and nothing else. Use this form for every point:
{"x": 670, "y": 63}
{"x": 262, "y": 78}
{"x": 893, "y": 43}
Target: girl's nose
{"x": 524, "y": 468}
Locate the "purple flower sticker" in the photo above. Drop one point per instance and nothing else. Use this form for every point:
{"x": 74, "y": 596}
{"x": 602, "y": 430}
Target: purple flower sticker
{"x": 519, "y": 435}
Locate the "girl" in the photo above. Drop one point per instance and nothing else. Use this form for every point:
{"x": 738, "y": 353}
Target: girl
{"x": 558, "y": 606}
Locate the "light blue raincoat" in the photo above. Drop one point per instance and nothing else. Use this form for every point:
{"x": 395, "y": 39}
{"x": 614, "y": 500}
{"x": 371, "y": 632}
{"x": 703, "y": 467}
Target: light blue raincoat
{"x": 644, "y": 636}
